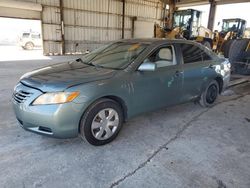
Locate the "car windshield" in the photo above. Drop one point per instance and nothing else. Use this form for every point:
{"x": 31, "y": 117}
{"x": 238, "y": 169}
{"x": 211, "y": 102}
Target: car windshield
{"x": 26, "y": 35}
{"x": 114, "y": 56}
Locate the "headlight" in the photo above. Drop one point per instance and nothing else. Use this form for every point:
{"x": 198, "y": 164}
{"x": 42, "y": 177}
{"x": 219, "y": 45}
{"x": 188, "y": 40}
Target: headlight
{"x": 56, "y": 98}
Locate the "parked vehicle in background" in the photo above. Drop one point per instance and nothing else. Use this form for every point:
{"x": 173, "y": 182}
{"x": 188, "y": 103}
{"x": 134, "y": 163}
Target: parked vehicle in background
{"x": 231, "y": 30}
{"x": 187, "y": 24}
{"x": 93, "y": 95}
{"x": 30, "y": 40}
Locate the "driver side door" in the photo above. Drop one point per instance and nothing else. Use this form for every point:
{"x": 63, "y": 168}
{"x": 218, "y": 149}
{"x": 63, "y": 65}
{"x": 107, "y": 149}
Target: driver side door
{"x": 160, "y": 87}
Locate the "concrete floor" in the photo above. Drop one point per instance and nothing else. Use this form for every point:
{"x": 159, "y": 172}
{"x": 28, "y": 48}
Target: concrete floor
{"x": 181, "y": 146}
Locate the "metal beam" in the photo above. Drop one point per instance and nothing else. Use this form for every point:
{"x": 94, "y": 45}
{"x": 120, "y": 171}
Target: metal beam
{"x": 123, "y": 17}
{"x": 223, "y": 2}
{"x": 187, "y": 3}
{"x": 172, "y": 8}
{"x": 21, "y": 5}
{"x": 211, "y": 16}
{"x": 62, "y": 27}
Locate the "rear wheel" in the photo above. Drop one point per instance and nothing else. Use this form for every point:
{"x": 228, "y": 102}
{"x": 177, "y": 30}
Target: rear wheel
{"x": 29, "y": 46}
{"x": 210, "y": 94}
{"x": 102, "y": 122}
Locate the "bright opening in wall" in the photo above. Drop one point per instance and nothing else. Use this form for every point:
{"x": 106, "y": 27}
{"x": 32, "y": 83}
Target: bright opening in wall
{"x": 20, "y": 39}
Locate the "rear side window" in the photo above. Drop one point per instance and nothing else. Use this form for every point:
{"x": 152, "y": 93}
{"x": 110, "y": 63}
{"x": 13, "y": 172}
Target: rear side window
{"x": 192, "y": 54}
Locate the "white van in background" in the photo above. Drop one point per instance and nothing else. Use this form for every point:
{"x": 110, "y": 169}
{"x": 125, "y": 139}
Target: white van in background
{"x": 29, "y": 40}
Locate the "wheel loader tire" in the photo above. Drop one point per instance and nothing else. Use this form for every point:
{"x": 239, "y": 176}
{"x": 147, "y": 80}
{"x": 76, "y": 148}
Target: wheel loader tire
{"x": 226, "y": 47}
{"x": 237, "y": 48}
{"x": 236, "y": 54}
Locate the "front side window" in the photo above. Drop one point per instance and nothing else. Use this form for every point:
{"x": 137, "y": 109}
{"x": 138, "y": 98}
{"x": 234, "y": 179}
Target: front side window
{"x": 192, "y": 54}
{"x": 26, "y": 35}
{"x": 162, "y": 57}
{"x": 115, "y": 56}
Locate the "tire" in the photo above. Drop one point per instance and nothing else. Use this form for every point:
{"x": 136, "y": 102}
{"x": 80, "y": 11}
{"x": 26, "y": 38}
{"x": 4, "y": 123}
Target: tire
{"x": 236, "y": 54}
{"x": 95, "y": 125}
{"x": 207, "y": 44}
{"x": 226, "y": 47}
{"x": 236, "y": 50}
{"x": 210, "y": 94}
{"x": 29, "y": 46}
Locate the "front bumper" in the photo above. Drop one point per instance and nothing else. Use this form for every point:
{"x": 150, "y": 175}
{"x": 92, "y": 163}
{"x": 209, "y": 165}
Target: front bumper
{"x": 57, "y": 120}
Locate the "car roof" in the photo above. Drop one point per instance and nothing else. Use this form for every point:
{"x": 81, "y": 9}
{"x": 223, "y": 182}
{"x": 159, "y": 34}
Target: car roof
{"x": 157, "y": 41}
{"x": 161, "y": 41}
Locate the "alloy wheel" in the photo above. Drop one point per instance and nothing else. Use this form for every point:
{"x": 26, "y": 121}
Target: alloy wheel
{"x": 105, "y": 124}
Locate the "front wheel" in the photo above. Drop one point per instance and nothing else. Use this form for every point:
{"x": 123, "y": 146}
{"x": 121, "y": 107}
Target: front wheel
{"x": 210, "y": 94}
{"x": 102, "y": 122}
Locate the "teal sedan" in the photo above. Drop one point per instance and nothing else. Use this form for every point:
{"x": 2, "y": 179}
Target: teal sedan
{"x": 94, "y": 95}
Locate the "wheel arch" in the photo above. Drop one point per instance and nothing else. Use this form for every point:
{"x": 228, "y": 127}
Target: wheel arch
{"x": 115, "y": 98}
{"x": 218, "y": 79}
{"x": 220, "y": 82}
{"x": 27, "y": 42}
{"x": 121, "y": 102}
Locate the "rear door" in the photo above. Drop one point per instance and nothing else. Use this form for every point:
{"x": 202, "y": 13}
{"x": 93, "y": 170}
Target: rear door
{"x": 196, "y": 70}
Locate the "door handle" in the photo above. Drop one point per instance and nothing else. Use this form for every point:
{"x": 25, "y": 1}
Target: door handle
{"x": 177, "y": 73}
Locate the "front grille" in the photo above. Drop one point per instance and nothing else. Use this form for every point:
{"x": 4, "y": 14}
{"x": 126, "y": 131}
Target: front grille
{"x": 45, "y": 129}
{"x": 21, "y": 96}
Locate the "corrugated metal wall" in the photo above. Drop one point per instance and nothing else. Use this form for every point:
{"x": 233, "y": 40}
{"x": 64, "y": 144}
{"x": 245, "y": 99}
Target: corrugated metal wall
{"x": 89, "y": 23}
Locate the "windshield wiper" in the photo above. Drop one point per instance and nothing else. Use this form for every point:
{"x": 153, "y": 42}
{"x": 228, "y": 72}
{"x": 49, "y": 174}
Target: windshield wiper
{"x": 96, "y": 65}
{"x": 80, "y": 59}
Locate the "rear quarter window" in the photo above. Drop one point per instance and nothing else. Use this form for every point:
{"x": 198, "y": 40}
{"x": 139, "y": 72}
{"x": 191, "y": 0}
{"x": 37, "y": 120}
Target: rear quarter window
{"x": 193, "y": 54}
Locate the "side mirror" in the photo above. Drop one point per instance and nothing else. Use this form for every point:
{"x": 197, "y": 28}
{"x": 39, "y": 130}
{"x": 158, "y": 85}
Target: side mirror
{"x": 147, "y": 66}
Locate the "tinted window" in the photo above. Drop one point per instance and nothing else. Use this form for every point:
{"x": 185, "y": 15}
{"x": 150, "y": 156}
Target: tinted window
{"x": 162, "y": 57}
{"x": 192, "y": 54}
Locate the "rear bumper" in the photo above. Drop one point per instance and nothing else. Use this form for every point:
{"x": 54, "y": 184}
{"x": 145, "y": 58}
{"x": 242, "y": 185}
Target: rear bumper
{"x": 226, "y": 80}
{"x": 58, "y": 121}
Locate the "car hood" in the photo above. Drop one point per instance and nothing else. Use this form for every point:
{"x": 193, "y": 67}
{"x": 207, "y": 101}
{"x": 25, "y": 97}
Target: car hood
{"x": 64, "y": 75}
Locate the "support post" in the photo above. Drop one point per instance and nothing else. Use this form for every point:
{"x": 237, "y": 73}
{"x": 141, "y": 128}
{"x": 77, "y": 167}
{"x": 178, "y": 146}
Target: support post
{"x": 123, "y": 18}
{"x": 62, "y": 27}
{"x": 171, "y": 11}
{"x": 211, "y": 16}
